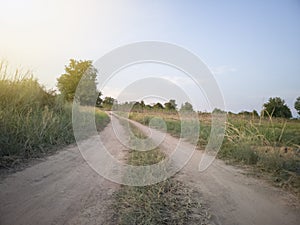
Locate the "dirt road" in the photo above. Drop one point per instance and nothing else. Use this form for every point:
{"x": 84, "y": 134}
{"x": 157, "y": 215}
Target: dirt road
{"x": 63, "y": 189}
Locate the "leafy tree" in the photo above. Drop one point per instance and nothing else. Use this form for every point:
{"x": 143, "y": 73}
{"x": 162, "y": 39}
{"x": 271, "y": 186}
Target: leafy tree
{"x": 108, "y": 102}
{"x": 297, "y": 105}
{"x": 75, "y": 72}
{"x": 247, "y": 113}
{"x": 276, "y": 107}
{"x": 171, "y": 105}
{"x": 142, "y": 104}
{"x": 255, "y": 113}
{"x": 158, "y": 106}
{"x": 137, "y": 107}
{"x": 187, "y": 107}
{"x": 99, "y": 100}
{"x": 148, "y": 107}
{"x": 218, "y": 111}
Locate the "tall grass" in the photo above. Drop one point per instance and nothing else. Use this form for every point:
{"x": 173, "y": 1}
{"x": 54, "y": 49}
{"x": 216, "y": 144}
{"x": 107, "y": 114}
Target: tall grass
{"x": 269, "y": 145}
{"x": 32, "y": 120}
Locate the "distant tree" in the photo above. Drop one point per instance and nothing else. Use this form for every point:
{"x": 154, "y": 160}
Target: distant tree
{"x": 75, "y": 72}
{"x": 171, "y": 105}
{"x": 297, "y": 105}
{"x": 186, "y": 107}
{"x": 276, "y": 107}
{"x": 99, "y": 100}
{"x": 158, "y": 106}
{"x": 136, "y": 107}
{"x": 231, "y": 113}
{"x": 216, "y": 110}
{"x": 148, "y": 107}
{"x": 108, "y": 102}
{"x": 247, "y": 113}
{"x": 255, "y": 113}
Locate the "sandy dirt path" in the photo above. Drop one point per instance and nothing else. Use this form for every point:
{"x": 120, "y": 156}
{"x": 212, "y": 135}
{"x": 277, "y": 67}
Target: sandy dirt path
{"x": 62, "y": 189}
{"x": 234, "y": 198}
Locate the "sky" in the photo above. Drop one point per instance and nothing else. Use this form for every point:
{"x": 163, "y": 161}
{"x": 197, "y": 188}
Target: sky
{"x": 251, "y": 47}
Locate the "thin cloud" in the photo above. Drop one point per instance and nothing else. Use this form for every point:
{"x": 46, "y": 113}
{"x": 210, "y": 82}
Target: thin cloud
{"x": 223, "y": 70}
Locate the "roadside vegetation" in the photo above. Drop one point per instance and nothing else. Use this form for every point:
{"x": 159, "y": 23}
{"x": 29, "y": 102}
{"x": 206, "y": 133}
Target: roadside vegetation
{"x": 167, "y": 202}
{"x": 33, "y": 120}
{"x": 269, "y": 145}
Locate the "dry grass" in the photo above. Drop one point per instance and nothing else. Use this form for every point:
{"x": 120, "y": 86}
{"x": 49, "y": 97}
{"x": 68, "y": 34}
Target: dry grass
{"x": 167, "y": 202}
{"x": 33, "y": 121}
{"x": 270, "y": 146}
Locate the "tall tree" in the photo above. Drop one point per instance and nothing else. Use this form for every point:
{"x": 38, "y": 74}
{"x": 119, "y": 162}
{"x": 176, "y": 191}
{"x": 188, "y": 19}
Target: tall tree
{"x": 82, "y": 72}
{"x": 276, "y": 107}
{"x": 297, "y": 105}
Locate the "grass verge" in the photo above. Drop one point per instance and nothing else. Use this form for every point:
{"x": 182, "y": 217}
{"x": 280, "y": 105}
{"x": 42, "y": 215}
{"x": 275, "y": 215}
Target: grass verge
{"x": 167, "y": 202}
{"x": 268, "y": 146}
{"x": 33, "y": 121}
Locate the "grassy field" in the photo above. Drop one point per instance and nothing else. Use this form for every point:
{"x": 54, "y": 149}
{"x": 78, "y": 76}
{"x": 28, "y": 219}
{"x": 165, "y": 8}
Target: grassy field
{"x": 267, "y": 145}
{"x": 33, "y": 121}
{"x": 167, "y": 202}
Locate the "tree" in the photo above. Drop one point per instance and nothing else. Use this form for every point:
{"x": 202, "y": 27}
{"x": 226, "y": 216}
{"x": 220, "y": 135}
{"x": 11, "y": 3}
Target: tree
{"x": 297, "y": 105}
{"x": 158, "y": 106}
{"x": 218, "y": 111}
{"x": 247, "y": 113}
{"x": 187, "y": 107}
{"x": 276, "y": 107}
{"x": 255, "y": 113}
{"x": 83, "y": 72}
{"x": 108, "y": 102}
{"x": 171, "y": 105}
{"x": 99, "y": 100}
{"x": 137, "y": 107}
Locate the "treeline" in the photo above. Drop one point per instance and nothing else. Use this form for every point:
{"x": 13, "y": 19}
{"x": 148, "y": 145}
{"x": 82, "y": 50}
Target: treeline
{"x": 85, "y": 73}
{"x": 275, "y": 107}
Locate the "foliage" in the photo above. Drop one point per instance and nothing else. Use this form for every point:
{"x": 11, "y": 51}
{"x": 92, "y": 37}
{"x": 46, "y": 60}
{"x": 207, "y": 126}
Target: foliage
{"x": 276, "y": 107}
{"x": 33, "y": 121}
{"x": 83, "y": 73}
{"x": 108, "y": 103}
{"x": 218, "y": 111}
{"x": 270, "y": 144}
{"x": 171, "y": 105}
{"x": 186, "y": 107}
{"x": 246, "y": 113}
{"x": 158, "y": 106}
{"x": 297, "y": 105}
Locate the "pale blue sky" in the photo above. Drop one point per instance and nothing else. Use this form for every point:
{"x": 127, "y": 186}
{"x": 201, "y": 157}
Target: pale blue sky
{"x": 253, "y": 47}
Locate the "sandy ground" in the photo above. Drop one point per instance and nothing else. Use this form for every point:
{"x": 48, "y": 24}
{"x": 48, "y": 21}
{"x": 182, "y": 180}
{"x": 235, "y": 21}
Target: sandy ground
{"x": 63, "y": 189}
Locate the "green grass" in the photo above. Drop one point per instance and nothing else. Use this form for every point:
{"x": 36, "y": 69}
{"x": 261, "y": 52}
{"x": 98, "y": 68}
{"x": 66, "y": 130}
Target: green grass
{"x": 167, "y": 202}
{"x": 33, "y": 121}
{"x": 269, "y": 145}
